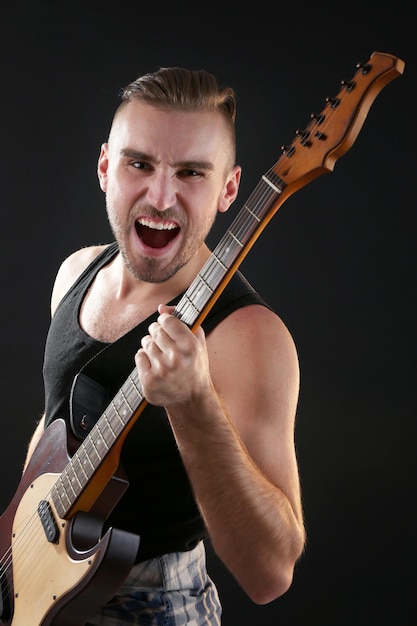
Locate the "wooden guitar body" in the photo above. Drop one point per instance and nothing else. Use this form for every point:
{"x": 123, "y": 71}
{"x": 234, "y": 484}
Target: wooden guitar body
{"x": 57, "y": 582}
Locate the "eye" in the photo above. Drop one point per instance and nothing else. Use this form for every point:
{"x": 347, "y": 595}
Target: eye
{"x": 189, "y": 173}
{"x": 140, "y": 165}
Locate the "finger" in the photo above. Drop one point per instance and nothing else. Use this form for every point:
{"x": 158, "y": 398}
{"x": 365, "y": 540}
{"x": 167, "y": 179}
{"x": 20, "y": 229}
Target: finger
{"x": 150, "y": 347}
{"x": 160, "y": 337}
{"x": 173, "y": 327}
{"x": 164, "y": 308}
{"x": 142, "y": 361}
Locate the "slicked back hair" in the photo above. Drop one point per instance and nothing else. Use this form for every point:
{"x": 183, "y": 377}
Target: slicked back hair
{"x": 184, "y": 90}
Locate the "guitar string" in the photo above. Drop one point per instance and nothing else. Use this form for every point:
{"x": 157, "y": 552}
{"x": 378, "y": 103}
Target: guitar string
{"x": 20, "y": 551}
{"x": 225, "y": 253}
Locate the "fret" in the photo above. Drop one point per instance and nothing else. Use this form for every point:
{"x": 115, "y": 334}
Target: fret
{"x": 67, "y": 493}
{"x": 205, "y": 288}
{"x": 101, "y": 439}
{"x": 57, "y": 502}
{"x": 200, "y": 292}
{"x": 229, "y": 249}
{"x": 109, "y": 423}
{"x": 70, "y": 483}
{"x": 121, "y": 408}
{"x": 134, "y": 386}
{"x": 205, "y": 284}
{"x": 126, "y": 401}
{"x": 64, "y": 502}
{"x": 79, "y": 465}
{"x": 219, "y": 261}
{"x": 133, "y": 399}
{"x": 239, "y": 243}
{"x": 97, "y": 441}
{"x": 191, "y": 304}
{"x": 252, "y": 213}
{"x": 118, "y": 413}
{"x": 211, "y": 275}
{"x": 85, "y": 457}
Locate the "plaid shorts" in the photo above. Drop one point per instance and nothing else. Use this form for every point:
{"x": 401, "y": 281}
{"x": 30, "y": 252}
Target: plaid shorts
{"x": 171, "y": 590}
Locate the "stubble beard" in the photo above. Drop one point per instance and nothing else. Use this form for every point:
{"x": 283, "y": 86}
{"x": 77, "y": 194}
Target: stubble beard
{"x": 151, "y": 269}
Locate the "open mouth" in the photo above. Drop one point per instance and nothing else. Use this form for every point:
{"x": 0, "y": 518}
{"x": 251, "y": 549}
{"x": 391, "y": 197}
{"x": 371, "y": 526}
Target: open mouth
{"x": 156, "y": 234}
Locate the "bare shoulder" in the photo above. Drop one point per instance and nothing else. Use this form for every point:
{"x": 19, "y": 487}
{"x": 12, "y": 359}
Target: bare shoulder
{"x": 254, "y": 362}
{"x": 70, "y": 269}
{"x": 253, "y": 330}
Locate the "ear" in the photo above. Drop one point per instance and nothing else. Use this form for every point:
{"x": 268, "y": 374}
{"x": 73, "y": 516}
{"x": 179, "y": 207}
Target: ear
{"x": 102, "y": 166}
{"x": 230, "y": 189}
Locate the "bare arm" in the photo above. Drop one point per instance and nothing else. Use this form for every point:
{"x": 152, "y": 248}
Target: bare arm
{"x": 34, "y": 441}
{"x": 234, "y": 425}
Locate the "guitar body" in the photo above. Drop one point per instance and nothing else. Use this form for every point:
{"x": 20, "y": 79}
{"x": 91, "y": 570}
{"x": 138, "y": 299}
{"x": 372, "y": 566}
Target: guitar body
{"x": 63, "y": 581}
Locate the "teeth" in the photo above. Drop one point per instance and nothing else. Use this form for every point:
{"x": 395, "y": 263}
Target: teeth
{"x": 147, "y": 221}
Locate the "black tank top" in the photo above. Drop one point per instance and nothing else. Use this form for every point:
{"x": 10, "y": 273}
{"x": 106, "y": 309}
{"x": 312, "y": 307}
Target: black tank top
{"x": 158, "y": 504}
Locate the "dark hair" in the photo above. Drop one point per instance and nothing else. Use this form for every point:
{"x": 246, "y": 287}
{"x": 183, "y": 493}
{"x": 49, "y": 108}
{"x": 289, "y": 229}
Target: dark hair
{"x": 183, "y": 89}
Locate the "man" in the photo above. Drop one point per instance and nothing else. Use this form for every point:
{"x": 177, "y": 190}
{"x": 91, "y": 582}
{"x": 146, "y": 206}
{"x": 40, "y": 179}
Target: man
{"x": 213, "y": 453}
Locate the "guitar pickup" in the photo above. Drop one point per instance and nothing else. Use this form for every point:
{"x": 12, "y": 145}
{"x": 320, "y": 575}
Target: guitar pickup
{"x": 48, "y": 521}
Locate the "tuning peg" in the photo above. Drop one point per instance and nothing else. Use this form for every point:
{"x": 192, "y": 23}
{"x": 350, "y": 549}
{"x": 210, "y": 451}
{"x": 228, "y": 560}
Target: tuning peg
{"x": 365, "y": 67}
{"x": 334, "y": 102}
{"x": 318, "y": 118}
{"x": 348, "y": 84}
{"x": 303, "y": 135}
{"x": 287, "y": 150}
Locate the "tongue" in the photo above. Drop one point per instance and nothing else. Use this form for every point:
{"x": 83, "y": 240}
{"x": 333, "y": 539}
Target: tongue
{"x": 156, "y": 238}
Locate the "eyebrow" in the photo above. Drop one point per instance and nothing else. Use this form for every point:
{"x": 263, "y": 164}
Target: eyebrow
{"x": 143, "y": 156}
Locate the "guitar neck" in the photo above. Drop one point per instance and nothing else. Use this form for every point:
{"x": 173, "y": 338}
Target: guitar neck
{"x": 97, "y": 458}
{"x": 230, "y": 251}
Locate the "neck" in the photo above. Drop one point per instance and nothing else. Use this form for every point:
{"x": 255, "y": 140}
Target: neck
{"x": 127, "y": 285}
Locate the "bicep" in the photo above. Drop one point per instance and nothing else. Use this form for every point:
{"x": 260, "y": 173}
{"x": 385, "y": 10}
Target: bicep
{"x": 255, "y": 369}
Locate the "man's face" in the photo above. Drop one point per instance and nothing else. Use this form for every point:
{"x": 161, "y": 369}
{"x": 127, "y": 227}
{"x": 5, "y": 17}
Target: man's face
{"x": 165, "y": 174}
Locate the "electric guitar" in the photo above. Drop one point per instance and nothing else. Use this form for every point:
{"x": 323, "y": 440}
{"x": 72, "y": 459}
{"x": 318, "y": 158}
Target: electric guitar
{"x": 57, "y": 566}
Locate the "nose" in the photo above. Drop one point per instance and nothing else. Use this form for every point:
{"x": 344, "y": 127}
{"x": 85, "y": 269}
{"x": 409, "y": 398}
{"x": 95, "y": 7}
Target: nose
{"x": 161, "y": 192}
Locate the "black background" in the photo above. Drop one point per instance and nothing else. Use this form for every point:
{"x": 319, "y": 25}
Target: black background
{"x": 338, "y": 262}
